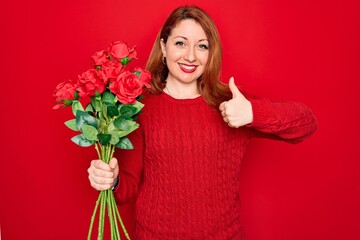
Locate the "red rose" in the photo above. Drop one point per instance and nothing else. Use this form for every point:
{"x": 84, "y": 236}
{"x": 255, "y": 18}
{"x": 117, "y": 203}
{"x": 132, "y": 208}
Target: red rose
{"x": 99, "y": 58}
{"x": 118, "y": 50}
{"x": 145, "y": 76}
{"x": 64, "y": 91}
{"x": 132, "y": 53}
{"x": 112, "y": 69}
{"x": 127, "y": 87}
{"x": 90, "y": 82}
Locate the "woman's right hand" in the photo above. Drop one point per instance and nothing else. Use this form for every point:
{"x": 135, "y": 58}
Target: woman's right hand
{"x": 102, "y": 176}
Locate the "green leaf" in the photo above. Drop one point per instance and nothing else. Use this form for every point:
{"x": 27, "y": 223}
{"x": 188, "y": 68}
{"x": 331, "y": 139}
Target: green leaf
{"x": 114, "y": 138}
{"x": 135, "y": 117}
{"x": 67, "y": 102}
{"x": 111, "y": 127}
{"x": 89, "y": 108}
{"x": 127, "y": 111}
{"x": 101, "y": 125}
{"x": 112, "y": 111}
{"x": 115, "y": 99}
{"x": 124, "y": 143}
{"x": 123, "y": 124}
{"x": 72, "y": 124}
{"x": 124, "y": 61}
{"x": 89, "y": 132}
{"x": 137, "y": 73}
{"x": 104, "y": 110}
{"x": 108, "y": 97}
{"x": 121, "y": 133}
{"x": 82, "y": 141}
{"x": 76, "y": 105}
{"x": 104, "y": 138}
{"x": 138, "y": 105}
{"x": 76, "y": 95}
{"x": 96, "y": 103}
{"x": 85, "y": 118}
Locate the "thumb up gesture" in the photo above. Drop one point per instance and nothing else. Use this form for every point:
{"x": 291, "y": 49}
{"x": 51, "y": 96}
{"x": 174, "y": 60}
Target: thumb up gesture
{"x": 236, "y": 112}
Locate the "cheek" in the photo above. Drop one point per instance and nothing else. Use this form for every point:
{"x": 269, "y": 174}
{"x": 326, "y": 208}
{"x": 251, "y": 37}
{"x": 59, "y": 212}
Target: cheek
{"x": 203, "y": 57}
{"x": 173, "y": 55}
{"x": 173, "y": 52}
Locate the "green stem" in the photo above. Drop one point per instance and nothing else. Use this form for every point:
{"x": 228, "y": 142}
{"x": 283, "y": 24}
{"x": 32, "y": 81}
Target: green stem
{"x": 112, "y": 151}
{"x": 107, "y": 148}
{"x": 97, "y": 150}
{"x": 103, "y": 153}
{"x": 114, "y": 209}
{"x": 120, "y": 220}
{"x": 106, "y": 200}
{"x": 93, "y": 217}
{"x": 110, "y": 216}
{"x": 102, "y": 215}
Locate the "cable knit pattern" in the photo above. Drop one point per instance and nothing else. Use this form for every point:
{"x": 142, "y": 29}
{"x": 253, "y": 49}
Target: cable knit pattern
{"x": 185, "y": 168}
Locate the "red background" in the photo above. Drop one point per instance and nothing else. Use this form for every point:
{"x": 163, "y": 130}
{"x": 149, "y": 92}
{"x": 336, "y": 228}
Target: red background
{"x": 297, "y": 50}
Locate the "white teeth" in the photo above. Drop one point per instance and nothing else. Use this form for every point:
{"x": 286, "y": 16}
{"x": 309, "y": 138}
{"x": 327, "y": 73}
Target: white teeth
{"x": 187, "y": 67}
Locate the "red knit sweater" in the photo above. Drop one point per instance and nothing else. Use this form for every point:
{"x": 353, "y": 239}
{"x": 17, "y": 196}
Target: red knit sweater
{"x": 184, "y": 171}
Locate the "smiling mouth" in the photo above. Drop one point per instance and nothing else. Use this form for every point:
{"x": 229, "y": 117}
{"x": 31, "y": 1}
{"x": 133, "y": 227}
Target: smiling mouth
{"x": 187, "y": 68}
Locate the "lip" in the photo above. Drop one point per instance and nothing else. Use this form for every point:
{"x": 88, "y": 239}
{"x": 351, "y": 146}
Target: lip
{"x": 187, "y": 68}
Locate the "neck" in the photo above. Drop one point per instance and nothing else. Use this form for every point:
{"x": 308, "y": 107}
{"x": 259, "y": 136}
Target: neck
{"x": 181, "y": 91}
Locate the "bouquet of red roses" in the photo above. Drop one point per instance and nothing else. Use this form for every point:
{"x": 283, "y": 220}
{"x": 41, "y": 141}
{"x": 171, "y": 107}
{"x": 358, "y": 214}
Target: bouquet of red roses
{"x": 110, "y": 94}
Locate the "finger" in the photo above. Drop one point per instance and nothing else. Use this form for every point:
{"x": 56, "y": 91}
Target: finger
{"x": 222, "y": 106}
{"x": 101, "y": 183}
{"x": 100, "y": 187}
{"x": 232, "y": 126}
{"x": 100, "y": 173}
{"x": 233, "y": 88}
{"x": 99, "y": 164}
{"x": 113, "y": 163}
{"x": 101, "y": 180}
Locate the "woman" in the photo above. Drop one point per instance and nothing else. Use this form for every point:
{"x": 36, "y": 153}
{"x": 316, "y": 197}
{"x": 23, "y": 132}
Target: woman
{"x": 184, "y": 171}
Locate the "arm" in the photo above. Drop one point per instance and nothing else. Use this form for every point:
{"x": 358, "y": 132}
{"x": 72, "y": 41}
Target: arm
{"x": 288, "y": 121}
{"x": 126, "y": 167}
{"x": 130, "y": 169}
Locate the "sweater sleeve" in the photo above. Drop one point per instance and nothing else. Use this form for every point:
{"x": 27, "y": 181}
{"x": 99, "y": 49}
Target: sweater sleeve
{"x": 130, "y": 168}
{"x": 287, "y": 121}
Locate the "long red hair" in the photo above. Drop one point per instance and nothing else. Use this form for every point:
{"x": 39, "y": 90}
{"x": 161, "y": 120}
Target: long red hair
{"x": 209, "y": 84}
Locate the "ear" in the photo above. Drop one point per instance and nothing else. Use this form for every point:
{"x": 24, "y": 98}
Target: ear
{"x": 162, "y": 45}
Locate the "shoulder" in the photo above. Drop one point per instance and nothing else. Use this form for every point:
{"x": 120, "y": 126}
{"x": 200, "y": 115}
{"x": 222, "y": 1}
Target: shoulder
{"x": 149, "y": 98}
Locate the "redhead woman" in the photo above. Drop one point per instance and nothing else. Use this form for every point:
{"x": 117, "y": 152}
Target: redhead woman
{"x": 184, "y": 170}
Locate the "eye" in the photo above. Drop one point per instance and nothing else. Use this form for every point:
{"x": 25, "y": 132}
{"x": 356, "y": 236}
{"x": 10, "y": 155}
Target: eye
{"x": 204, "y": 46}
{"x": 180, "y": 43}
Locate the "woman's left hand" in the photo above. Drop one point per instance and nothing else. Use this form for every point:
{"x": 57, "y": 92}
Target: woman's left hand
{"x": 236, "y": 112}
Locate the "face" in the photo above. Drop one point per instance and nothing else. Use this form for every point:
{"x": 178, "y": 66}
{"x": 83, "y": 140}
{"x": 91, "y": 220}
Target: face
{"x": 186, "y": 52}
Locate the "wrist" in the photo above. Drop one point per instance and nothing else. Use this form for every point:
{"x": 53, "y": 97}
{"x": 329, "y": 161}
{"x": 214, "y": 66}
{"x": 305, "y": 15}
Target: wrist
{"x": 116, "y": 183}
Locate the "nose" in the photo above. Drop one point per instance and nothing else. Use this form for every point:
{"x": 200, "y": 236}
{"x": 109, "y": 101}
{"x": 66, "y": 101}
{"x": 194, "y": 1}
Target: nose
{"x": 190, "y": 55}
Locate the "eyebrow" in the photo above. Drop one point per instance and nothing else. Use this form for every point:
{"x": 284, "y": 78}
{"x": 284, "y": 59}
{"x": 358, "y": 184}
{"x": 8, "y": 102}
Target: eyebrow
{"x": 188, "y": 39}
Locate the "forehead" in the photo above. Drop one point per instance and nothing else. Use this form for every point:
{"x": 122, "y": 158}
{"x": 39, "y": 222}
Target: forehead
{"x": 189, "y": 29}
